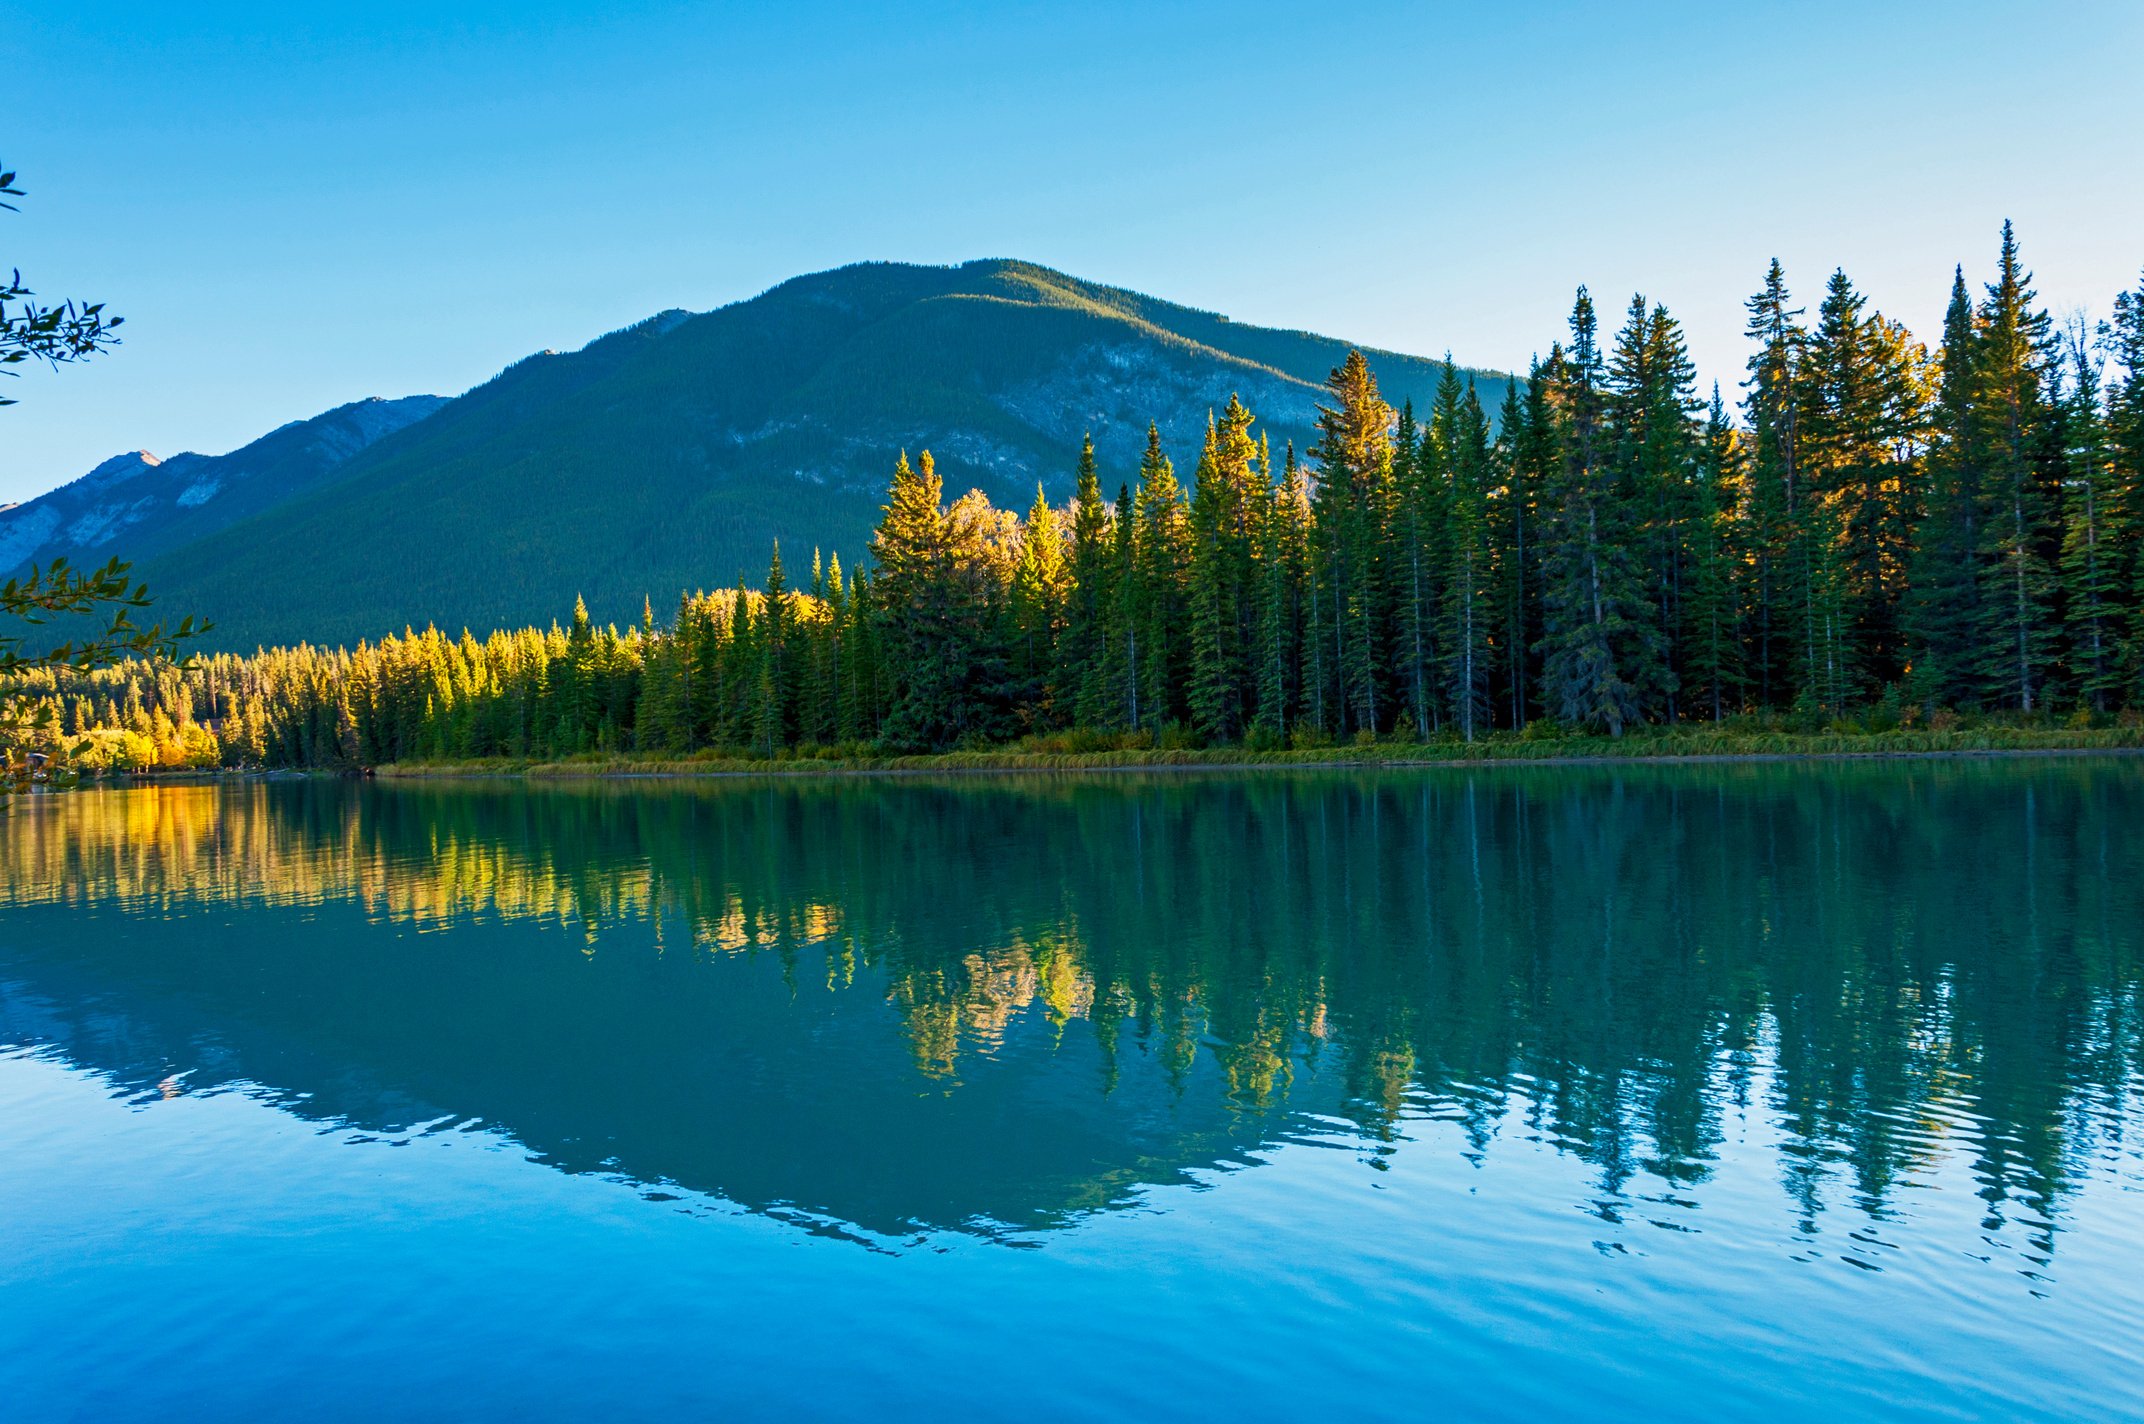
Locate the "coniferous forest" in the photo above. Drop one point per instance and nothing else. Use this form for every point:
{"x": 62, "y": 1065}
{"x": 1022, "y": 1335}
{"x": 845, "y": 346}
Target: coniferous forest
{"x": 1874, "y": 530}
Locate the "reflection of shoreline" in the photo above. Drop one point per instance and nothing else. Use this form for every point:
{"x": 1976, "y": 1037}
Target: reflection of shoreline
{"x": 790, "y": 1102}
{"x": 995, "y": 764}
{"x": 1625, "y": 951}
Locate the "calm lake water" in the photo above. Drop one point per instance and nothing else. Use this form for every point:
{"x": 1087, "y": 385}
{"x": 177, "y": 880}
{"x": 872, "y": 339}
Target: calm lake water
{"x": 1706, "y": 1092}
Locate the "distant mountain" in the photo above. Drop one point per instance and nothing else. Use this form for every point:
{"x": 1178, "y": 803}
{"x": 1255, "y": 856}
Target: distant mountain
{"x": 671, "y": 454}
{"x": 135, "y": 505}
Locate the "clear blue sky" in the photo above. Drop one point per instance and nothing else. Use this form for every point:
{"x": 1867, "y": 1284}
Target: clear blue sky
{"x": 294, "y": 209}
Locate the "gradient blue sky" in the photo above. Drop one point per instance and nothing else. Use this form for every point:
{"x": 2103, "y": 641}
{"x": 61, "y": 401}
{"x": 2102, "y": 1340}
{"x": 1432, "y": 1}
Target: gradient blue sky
{"x": 295, "y": 209}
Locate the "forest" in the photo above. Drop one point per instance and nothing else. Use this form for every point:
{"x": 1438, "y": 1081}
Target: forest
{"x": 1877, "y": 533}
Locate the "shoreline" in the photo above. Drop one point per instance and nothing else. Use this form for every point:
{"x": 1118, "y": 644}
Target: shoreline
{"x": 1396, "y": 758}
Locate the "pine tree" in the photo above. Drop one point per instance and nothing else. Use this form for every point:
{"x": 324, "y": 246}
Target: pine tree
{"x": 1223, "y": 595}
{"x": 1711, "y": 633}
{"x": 1863, "y": 433}
{"x": 1946, "y": 622}
{"x": 577, "y": 723}
{"x": 1418, "y": 477}
{"x": 1040, "y": 587}
{"x": 1465, "y": 605}
{"x": 926, "y": 610}
{"x": 1119, "y": 662}
{"x": 1527, "y": 437}
{"x": 1649, "y": 385}
{"x": 863, "y": 679}
{"x": 2091, "y": 587}
{"x": 2009, "y": 354}
{"x": 1590, "y": 584}
{"x": 1087, "y": 601}
{"x": 2123, "y": 338}
{"x": 814, "y": 679}
{"x": 834, "y": 720}
{"x": 1161, "y": 589}
{"x": 771, "y": 715}
{"x": 1353, "y": 507}
{"x": 1284, "y": 573}
{"x": 1780, "y": 574}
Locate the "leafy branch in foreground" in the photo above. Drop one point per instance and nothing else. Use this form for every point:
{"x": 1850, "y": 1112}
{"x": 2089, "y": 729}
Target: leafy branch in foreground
{"x": 60, "y": 590}
{"x": 32, "y": 744}
{"x": 29, "y": 330}
{"x": 29, "y": 732}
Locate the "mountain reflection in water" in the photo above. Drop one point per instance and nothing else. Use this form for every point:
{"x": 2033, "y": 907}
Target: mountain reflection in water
{"x": 890, "y": 1006}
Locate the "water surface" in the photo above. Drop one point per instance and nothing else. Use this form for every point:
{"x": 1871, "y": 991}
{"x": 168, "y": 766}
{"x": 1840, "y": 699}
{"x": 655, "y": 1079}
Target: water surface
{"x": 1664, "y": 1092}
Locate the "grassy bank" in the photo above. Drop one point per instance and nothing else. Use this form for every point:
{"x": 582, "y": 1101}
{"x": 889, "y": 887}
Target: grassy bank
{"x": 1690, "y": 744}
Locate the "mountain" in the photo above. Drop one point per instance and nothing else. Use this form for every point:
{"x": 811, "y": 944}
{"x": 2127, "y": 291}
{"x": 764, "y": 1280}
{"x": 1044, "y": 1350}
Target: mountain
{"x": 136, "y": 505}
{"x": 670, "y": 455}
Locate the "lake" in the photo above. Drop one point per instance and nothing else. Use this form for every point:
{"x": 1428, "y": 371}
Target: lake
{"x": 1737, "y": 1091}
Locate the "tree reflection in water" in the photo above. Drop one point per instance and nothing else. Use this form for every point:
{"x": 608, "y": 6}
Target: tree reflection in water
{"x": 995, "y": 1003}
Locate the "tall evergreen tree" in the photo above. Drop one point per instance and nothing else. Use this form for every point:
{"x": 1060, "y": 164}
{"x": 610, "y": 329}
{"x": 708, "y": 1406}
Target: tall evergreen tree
{"x": 1284, "y": 576}
{"x": 1711, "y": 632}
{"x": 948, "y": 678}
{"x": 1466, "y": 606}
{"x": 1040, "y": 590}
{"x": 1649, "y": 385}
{"x": 1595, "y": 609}
{"x": 772, "y": 696}
{"x": 1780, "y": 574}
{"x": 2010, "y": 352}
{"x": 1223, "y": 593}
{"x": 1528, "y": 436}
{"x": 1353, "y": 507}
{"x": 1418, "y": 473}
{"x": 1087, "y": 599}
{"x": 1120, "y": 662}
{"x": 2091, "y": 584}
{"x": 1947, "y": 622}
{"x": 2123, "y": 339}
{"x": 1161, "y": 589}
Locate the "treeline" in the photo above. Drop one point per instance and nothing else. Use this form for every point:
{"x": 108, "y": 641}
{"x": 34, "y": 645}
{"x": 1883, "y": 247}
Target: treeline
{"x": 1879, "y": 531}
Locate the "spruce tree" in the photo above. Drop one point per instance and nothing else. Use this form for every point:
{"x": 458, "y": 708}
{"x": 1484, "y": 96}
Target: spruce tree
{"x": 1650, "y": 388}
{"x": 1354, "y": 507}
{"x": 1284, "y": 573}
{"x": 2091, "y": 586}
{"x": 815, "y": 706}
{"x": 927, "y": 614}
{"x": 835, "y": 638}
{"x": 1039, "y": 593}
{"x": 1947, "y": 624}
{"x": 1087, "y": 599}
{"x": 771, "y": 695}
{"x": 1119, "y": 667}
{"x": 1591, "y": 587}
{"x": 1160, "y": 607}
{"x": 1418, "y": 478}
{"x": 2123, "y": 338}
{"x": 1224, "y": 507}
{"x": 1528, "y": 439}
{"x": 2010, "y": 351}
{"x": 1780, "y": 552}
{"x": 1711, "y": 632}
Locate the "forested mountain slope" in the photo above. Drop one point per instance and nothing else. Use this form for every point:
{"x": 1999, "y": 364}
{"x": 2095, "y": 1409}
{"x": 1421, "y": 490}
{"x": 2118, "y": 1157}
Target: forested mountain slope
{"x": 136, "y": 505}
{"x": 670, "y": 455}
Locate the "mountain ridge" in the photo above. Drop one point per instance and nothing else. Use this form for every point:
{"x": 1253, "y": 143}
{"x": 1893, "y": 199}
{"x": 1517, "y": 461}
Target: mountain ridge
{"x": 671, "y": 453}
{"x": 137, "y": 504}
